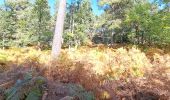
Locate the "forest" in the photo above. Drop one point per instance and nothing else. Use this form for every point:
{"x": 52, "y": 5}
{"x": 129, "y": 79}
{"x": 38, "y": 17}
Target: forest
{"x": 84, "y": 49}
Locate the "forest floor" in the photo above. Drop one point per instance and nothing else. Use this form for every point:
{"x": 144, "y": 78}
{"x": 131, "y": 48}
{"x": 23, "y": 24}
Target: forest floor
{"x": 85, "y": 73}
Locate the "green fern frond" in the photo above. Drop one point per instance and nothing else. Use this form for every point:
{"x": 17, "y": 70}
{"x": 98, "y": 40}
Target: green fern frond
{"x": 27, "y": 89}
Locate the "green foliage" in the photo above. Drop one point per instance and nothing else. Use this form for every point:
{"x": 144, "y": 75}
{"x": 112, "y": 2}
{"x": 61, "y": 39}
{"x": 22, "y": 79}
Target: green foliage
{"x": 41, "y": 21}
{"x": 76, "y": 90}
{"x": 28, "y": 88}
{"x": 35, "y": 94}
{"x": 148, "y": 25}
{"x": 79, "y": 23}
{"x": 24, "y": 23}
{"x": 135, "y": 21}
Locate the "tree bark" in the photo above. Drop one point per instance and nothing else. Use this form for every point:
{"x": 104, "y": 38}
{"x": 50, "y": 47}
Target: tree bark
{"x": 3, "y": 40}
{"x": 57, "y": 39}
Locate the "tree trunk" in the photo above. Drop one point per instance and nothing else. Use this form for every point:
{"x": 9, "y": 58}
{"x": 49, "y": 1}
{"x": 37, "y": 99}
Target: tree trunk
{"x": 142, "y": 39}
{"x": 112, "y": 38}
{"x": 137, "y": 33}
{"x": 3, "y": 41}
{"x": 57, "y": 39}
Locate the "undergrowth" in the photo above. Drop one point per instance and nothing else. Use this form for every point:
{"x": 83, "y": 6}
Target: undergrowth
{"x": 122, "y": 73}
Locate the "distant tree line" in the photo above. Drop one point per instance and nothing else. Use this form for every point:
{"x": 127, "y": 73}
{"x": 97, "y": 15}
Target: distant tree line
{"x": 134, "y": 21}
{"x": 29, "y": 23}
{"x": 24, "y": 23}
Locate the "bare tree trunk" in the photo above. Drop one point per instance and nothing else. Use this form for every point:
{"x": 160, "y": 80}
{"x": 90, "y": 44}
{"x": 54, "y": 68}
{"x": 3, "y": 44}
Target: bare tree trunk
{"x": 57, "y": 39}
{"x": 137, "y": 33}
{"x": 112, "y": 36}
{"x": 3, "y": 41}
{"x": 142, "y": 39}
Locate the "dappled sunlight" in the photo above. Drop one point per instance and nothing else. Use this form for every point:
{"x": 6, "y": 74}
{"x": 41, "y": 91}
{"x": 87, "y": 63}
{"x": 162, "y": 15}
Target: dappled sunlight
{"x": 19, "y": 56}
{"x": 108, "y": 61}
{"x": 84, "y": 50}
{"x": 108, "y": 73}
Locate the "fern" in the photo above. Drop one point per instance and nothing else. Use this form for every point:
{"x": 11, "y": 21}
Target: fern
{"x": 78, "y": 91}
{"x": 35, "y": 94}
{"x": 27, "y": 89}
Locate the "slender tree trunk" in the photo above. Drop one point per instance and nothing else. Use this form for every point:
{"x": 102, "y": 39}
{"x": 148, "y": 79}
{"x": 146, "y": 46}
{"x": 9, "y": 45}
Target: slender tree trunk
{"x": 121, "y": 36}
{"x": 72, "y": 31}
{"x": 137, "y": 33}
{"x": 142, "y": 40}
{"x": 3, "y": 43}
{"x": 103, "y": 37}
{"x": 57, "y": 39}
{"x": 112, "y": 38}
{"x": 72, "y": 19}
{"x": 39, "y": 34}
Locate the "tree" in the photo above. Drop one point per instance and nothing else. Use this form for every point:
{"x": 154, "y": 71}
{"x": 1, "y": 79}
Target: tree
{"x": 147, "y": 23}
{"x": 79, "y": 23}
{"x": 111, "y": 24}
{"x": 25, "y": 23}
{"x": 57, "y": 39}
{"x": 13, "y": 21}
{"x": 23, "y": 14}
{"x": 135, "y": 21}
{"x": 114, "y": 12}
{"x": 40, "y": 22}
{"x": 3, "y": 26}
